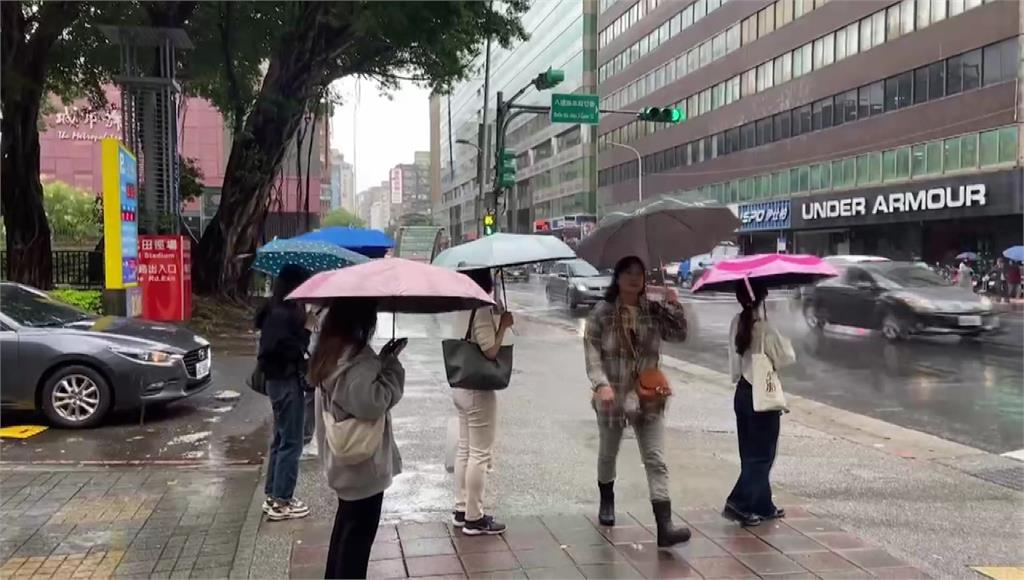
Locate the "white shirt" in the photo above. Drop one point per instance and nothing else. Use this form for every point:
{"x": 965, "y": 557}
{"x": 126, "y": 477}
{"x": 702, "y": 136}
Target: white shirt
{"x": 777, "y": 347}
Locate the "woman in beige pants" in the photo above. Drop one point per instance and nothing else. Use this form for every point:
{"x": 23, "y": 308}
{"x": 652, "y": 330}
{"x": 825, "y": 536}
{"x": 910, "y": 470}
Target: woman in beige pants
{"x": 478, "y": 418}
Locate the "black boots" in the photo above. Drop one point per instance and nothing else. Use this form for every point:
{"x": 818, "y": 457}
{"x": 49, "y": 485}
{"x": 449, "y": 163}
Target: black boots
{"x": 668, "y": 535}
{"x": 606, "y": 515}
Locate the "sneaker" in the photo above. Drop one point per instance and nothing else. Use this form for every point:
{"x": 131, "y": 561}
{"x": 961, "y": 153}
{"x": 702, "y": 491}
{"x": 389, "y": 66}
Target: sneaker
{"x": 310, "y": 451}
{"x": 267, "y": 504}
{"x": 280, "y": 510}
{"x": 458, "y": 519}
{"x": 485, "y": 526}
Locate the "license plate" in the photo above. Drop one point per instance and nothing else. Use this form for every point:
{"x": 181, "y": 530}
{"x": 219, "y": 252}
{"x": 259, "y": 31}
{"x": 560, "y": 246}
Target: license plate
{"x": 970, "y": 321}
{"x": 203, "y": 368}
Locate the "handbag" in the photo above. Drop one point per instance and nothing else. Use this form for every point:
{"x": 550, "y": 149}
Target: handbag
{"x": 257, "y": 381}
{"x": 468, "y": 368}
{"x": 766, "y": 384}
{"x": 352, "y": 440}
{"x": 652, "y": 386}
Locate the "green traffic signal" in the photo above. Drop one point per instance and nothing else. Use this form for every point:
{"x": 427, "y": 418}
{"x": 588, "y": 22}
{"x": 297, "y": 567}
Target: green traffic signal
{"x": 549, "y": 79}
{"x": 662, "y": 115}
{"x": 507, "y": 165}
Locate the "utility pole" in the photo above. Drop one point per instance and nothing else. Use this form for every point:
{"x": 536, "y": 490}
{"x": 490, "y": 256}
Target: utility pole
{"x": 481, "y": 164}
{"x": 639, "y": 171}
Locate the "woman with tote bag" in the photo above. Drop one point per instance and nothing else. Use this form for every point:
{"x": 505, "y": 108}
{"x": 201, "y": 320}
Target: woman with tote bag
{"x": 756, "y": 350}
{"x": 356, "y": 390}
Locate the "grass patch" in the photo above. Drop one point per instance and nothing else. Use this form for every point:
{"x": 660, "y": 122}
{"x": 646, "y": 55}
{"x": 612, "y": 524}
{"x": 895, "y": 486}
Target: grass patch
{"x": 88, "y": 300}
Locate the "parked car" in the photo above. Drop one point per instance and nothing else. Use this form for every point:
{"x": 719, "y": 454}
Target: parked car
{"x": 899, "y": 299}
{"x": 577, "y": 283}
{"x": 76, "y": 367}
{"x": 516, "y": 274}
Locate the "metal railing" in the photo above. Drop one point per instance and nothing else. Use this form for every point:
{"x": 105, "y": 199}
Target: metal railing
{"x": 71, "y": 268}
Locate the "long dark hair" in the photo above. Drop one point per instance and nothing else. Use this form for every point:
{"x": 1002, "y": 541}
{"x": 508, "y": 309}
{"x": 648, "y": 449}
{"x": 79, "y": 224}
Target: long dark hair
{"x": 745, "y": 330}
{"x": 483, "y": 279}
{"x": 349, "y": 323}
{"x": 612, "y": 293}
{"x": 288, "y": 279}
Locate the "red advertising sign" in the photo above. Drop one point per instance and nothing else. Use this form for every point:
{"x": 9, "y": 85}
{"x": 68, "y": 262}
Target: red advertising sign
{"x": 165, "y": 274}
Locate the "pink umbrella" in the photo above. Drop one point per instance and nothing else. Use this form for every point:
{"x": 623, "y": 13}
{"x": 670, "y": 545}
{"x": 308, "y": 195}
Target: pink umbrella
{"x": 771, "y": 270}
{"x": 399, "y": 286}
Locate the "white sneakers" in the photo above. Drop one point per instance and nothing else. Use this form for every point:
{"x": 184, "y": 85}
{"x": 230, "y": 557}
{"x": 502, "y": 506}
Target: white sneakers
{"x": 285, "y": 510}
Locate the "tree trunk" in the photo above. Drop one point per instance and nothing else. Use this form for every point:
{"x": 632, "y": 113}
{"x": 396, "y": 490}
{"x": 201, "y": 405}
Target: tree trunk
{"x": 229, "y": 242}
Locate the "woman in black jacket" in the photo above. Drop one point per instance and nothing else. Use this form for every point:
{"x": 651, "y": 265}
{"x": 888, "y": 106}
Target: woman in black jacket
{"x": 284, "y": 341}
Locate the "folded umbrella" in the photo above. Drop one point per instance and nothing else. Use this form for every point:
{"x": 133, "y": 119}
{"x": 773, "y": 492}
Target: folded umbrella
{"x": 399, "y": 286}
{"x": 770, "y": 270}
{"x": 659, "y": 236}
{"x": 1016, "y": 253}
{"x": 313, "y": 256}
{"x": 503, "y": 251}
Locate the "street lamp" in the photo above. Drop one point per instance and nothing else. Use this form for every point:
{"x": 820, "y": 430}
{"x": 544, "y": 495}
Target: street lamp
{"x": 639, "y": 171}
{"x": 480, "y": 173}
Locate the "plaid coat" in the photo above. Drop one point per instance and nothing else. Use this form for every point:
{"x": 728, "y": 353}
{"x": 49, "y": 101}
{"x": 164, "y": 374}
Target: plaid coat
{"x": 615, "y": 361}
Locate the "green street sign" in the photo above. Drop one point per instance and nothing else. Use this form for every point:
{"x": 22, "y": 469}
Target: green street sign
{"x": 575, "y": 109}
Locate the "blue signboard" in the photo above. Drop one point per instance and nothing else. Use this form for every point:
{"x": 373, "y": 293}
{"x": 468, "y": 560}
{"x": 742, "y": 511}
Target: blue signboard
{"x": 765, "y": 216}
{"x": 129, "y": 216}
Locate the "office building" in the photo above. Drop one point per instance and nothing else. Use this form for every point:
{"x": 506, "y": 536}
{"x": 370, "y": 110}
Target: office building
{"x": 885, "y": 127}
{"x": 556, "y": 163}
{"x": 410, "y": 188}
{"x": 341, "y": 194}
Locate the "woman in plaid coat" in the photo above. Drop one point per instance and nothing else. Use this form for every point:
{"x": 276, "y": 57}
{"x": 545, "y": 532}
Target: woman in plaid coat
{"x": 623, "y": 337}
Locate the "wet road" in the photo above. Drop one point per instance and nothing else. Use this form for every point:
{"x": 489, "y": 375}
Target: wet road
{"x": 965, "y": 392}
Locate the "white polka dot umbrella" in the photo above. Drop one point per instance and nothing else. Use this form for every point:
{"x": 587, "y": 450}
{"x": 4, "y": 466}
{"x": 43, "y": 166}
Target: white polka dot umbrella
{"x": 313, "y": 256}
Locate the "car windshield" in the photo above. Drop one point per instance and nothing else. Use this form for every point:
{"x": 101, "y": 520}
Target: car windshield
{"x": 29, "y": 308}
{"x": 581, "y": 269}
{"x": 910, "y": 276}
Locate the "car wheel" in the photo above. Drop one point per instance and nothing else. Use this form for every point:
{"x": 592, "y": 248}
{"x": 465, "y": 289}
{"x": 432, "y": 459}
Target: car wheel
{"x": 892, "y": 328}
{"x": 814, "y": 317}
{"x": 76, "y": 397}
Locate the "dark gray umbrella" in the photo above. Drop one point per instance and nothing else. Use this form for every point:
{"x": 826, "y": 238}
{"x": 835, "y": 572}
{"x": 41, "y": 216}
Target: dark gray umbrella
{"x": 659, "y": 236}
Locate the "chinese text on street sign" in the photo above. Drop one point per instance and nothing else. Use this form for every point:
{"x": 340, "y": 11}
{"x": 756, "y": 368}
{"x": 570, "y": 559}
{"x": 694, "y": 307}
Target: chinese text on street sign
{"x": 575, "y": 109}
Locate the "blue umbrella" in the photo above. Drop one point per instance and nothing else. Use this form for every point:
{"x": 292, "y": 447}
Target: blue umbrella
{"x": 1016, "y": 253}
{"x": 971, "y": 256}
{"x": 313, "y": 256}
{"x": 372, "y": 243}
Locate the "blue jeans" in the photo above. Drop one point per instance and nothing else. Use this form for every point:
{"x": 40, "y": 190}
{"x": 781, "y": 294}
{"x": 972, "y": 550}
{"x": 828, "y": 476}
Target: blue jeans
{"x": 287, "y": 401}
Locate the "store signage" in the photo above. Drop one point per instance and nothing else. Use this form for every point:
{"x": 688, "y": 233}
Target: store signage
{"x": 80, "y": 124}
{"x": 396, "y": 185}
{"x": 120, "y": 215}
{"x": 766, "y": 215}
{"x": 936, "y": 198}
{"x": 165, "y": 275}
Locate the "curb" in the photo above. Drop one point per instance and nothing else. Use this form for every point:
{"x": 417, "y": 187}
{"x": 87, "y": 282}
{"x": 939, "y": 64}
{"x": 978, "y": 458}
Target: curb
{"x": 241, "y": 567}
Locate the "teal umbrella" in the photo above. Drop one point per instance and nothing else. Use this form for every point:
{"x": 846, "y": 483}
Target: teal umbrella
{"x": 503, "y": 251}
{"x": 313, "y": 256}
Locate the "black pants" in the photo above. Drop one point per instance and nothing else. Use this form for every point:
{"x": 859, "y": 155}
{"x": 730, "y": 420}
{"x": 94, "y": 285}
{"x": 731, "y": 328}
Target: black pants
{"x": 758, "y": 435}
{"x": 355, "y": 527}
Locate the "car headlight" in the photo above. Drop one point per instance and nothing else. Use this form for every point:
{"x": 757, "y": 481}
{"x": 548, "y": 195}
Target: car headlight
{"x": 581, "y": 287}
{"x": 146, "y": 356}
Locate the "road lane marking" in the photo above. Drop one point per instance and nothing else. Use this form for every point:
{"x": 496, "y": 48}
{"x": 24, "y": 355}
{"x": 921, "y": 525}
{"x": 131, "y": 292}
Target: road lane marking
{"x": 1001, "y": 572}
{"x": 1018, "y": 454}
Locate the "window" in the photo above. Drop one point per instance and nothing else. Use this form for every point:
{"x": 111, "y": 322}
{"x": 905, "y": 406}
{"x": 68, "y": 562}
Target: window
{"x": 700, "y": 9}
{"x": 951, "y": 154}
{"x": 830, "y": 49}
{"x": 693, "y": 60}
{"x": 849, "y": 171}
{"x": 732, "y": 138}
{"x": 778, "y": 71}
{"x": 923, "y": 13}
{"x": 972, "y": 69}
{"x": 936, "y": 80}
{"x": 969, "y": 151}
{"x": 903, "y": 163}
{"x": 954, "y": 75}
{"x": 766, "y": 21}
{"x": 804, "y": 173}
{"x": 865, "y": 34}
{"x": 826, "y": 175}
{"x": 718, "y": 96}
{"x": 732, "y": 38}
{"x": 878, "y": 28}
{"x": 705, "y": 53}
{"x": 764, "y": 132}
{"x": 877, "y": 98}
{"x": 787, "y": 66}
{"x": 747, "y": 136}
{"x": 892, "y": 22}
{"x": 849, "y": 106}
{"x": 815, "y": 177}
{"x": 749, "y": 30}
{"x": 780, "y": 183}
{"x": 821, "y": 115}
{"x": 718, "y": 46}
{"x": 749, "y": 82}
{"x": 933, "y": 152}
{"x": 783, "y": 128}
{"x": 917, "y": 166}
{"x": 862, "y": 169}
{"x": 992, "y": 64}
{"x": 889, "y": 165}
{"x": 920, "y": 85}
{"x": 864, "y": 102}
{"x": 802, "y": 118}
{"x": 1008, "y": 144}
{"x": 907, "y": 16}
{"x": 874, "y": 168}
{"x": 938, "y": 10}
{"x": 819, "y": 53}
{"x": 956, "y": 7}
{"x": 840, "y": 44}
{"x": 794, "y": 180}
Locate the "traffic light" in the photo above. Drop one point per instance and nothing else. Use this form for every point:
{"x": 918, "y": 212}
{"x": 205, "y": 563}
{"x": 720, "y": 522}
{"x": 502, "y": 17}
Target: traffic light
{"x": 489, "y": 223}
{"x": 507, "y": 165}
{"x": 549, "y": 79}
{"x": 662, "y": 115}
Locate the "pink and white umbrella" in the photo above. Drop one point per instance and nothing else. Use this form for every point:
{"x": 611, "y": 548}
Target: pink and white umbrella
{"x": 398, "y": 286}
{"x": 770, "y": 270}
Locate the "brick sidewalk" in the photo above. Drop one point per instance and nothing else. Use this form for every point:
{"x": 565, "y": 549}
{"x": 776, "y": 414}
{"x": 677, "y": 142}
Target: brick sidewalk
{"x": 562, "y": 547}
{"x": 152, "y": 522}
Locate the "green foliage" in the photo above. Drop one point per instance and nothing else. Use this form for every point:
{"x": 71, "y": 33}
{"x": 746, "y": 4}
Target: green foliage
{"x": 190, "y": 179}
{"x": 87, "y": 300}
{"x": 72, "y": 213}
{"x": 342, "y": 217}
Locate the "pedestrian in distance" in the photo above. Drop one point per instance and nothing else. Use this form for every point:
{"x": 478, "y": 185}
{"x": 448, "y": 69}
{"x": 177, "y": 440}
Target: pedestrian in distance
{"x": 757, "y": 432}
{"x": 354, "y": 383}
{"x": 622, "y": 345}
{"x": 309, "y": 447}
{"x": 965, "y": 276}
{"x": 478, "y": 420}
{"x": 283, "y": 346}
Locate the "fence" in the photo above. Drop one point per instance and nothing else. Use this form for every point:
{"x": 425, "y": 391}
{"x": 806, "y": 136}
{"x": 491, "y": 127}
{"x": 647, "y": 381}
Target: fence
{"x": 71, "y": 268}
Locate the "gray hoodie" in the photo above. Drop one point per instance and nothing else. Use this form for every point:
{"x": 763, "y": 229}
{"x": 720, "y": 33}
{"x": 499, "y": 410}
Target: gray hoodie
{"x": 367, "y": 387}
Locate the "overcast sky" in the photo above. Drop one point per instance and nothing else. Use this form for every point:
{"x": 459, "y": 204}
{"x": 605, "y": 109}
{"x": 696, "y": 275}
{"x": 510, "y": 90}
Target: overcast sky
{"x": 388, "y": 130}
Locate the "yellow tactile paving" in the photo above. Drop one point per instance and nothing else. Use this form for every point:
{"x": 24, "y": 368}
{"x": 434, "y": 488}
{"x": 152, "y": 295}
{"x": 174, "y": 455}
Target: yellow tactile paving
{"x": 98, "y": 564}
{"x": 1001, "y": 572}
